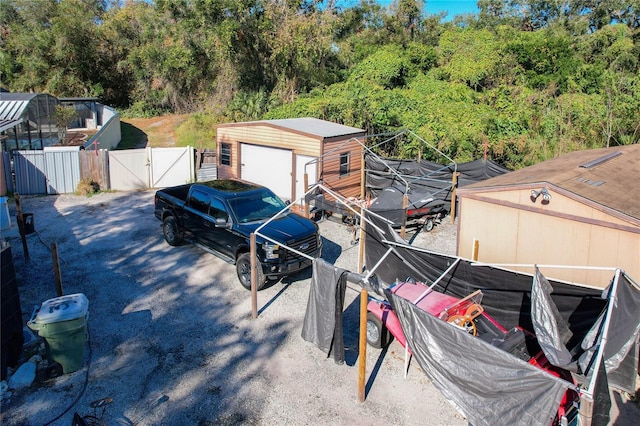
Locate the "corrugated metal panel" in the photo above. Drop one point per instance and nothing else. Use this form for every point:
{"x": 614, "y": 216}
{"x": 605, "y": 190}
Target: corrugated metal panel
{"x": 6, "y": 159}
{"x": 63, "y": 169}
{"x": 129, "y": 169}
{"x": 171, "y": 166}
{"x": 207, "y": 172}
{"x": 30, "y": 172}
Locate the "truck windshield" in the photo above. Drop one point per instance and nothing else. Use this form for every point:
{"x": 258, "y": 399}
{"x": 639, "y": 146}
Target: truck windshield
{"x": 256, "y": 207}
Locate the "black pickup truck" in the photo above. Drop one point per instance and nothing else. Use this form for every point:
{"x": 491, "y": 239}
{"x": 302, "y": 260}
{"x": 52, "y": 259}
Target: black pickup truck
{"x": 220, "y": 215}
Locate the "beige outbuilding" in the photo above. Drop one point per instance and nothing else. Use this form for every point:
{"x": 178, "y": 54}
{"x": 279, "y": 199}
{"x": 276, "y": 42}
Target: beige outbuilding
{"x": 579, "y": 209}
{"x": 278, "y": 154}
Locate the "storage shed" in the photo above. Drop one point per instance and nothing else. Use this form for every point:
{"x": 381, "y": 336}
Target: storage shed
{"x": 277, "y": 153}
{"x": 579, "y": 209}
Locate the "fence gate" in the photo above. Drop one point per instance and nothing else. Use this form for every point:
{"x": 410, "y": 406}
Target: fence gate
{"x": 171, "y": 166}
{"x": 129, "y": 169}
{"x": 150, "y": 168}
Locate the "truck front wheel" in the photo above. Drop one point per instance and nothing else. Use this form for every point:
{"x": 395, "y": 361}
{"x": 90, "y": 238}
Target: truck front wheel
{"x": 243, "y": 268}
{"x": 172, "y": 234}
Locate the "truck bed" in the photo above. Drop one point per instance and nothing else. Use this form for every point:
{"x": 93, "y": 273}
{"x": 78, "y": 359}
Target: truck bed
{"x": 179, "y": 192}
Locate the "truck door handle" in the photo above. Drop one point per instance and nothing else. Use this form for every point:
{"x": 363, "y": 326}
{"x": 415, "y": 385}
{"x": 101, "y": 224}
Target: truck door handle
{"x": 207, "y": 224}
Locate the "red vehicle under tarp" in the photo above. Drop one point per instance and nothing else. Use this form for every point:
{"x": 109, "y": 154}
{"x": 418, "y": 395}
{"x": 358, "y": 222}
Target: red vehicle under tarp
{"x": 469, "y": 316}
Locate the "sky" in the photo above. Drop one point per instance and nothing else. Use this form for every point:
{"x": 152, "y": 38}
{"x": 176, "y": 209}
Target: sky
{"x": 453, "y": 7}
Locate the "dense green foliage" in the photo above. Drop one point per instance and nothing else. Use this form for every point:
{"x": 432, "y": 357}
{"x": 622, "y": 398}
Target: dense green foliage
{"x": 525, "y": 79}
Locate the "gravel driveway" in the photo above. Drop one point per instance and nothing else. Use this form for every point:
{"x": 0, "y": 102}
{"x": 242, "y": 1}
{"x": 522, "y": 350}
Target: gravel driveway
{"x": 172, "y": 341}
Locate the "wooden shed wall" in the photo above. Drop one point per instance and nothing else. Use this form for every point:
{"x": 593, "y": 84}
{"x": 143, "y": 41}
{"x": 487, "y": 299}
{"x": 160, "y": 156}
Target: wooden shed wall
{"x": 511, "y": 229}
{"x": 349, "y": 184}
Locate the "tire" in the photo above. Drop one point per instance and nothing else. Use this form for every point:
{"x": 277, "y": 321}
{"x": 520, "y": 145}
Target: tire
{"x": 54, "y": 370}
{"x": 428, "y": 225}
{"x": 377, "y": 333}
{"x": 243, "y": 269}
{"x": 172, "y": 233}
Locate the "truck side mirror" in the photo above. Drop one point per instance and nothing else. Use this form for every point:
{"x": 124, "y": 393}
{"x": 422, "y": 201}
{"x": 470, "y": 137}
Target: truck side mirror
{"x": 221, "y": 222}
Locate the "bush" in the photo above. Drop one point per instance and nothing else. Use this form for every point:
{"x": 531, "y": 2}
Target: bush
{"x": 87, "y": 187}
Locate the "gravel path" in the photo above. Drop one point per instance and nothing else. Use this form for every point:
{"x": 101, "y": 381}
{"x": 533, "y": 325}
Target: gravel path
{"x": 172, "y": 340}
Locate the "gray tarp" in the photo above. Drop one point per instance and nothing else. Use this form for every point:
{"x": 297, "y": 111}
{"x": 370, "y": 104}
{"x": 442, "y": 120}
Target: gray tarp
{"x": 550, "y": 328}
{"x": 489, "y": 386}
{"x": 621, "y": 348}
{"x": 322, "y": 324}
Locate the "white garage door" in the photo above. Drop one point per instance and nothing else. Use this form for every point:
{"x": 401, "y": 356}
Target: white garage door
{"x": 267, "y": 166}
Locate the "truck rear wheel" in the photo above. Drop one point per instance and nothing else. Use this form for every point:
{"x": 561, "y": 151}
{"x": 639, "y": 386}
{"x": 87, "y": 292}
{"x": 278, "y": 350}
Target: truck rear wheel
{"x": 243, "y": 268}
{"x": 172, "y": 234}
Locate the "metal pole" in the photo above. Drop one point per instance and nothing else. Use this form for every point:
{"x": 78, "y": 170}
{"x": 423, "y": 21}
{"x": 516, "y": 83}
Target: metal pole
{"x": 454, "y": 185}
{"x": 254, "y": 286}
{"x": 362, "y": 358}
{"x": 362, "y": 244}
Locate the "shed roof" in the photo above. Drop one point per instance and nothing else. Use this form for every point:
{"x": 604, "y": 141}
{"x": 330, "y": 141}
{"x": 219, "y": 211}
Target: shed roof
{"x": 307, "y": 125}
{"x": 606, "y": 176}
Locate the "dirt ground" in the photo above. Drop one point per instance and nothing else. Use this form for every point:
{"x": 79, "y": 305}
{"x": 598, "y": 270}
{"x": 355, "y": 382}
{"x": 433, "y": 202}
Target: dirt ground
{"x": 172, "y": 340}
{"x": 155, "y": 131}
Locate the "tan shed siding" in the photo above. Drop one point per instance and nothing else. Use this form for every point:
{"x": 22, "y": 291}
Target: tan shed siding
{"x": 268, "y": 136}
{"x": 509, "y": 235}
{"x": 348, "y": 185}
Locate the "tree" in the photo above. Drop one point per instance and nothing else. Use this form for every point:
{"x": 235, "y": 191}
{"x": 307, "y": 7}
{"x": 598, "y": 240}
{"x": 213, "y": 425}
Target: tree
{"x": 63, "y": 116}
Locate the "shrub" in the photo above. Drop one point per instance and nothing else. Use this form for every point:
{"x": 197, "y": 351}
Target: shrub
{"x": 87, "y": 187}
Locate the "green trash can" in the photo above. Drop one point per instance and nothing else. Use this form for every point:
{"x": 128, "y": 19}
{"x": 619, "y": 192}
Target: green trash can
{"x": 62, "y": 322}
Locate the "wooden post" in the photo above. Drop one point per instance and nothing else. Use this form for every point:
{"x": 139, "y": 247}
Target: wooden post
{"x": 585, "y": 413}
{"x": 405, "y": 203}
{"x": 20, "y": 220}
{"x": 474, "y": 250}
{"x": 362, "y": 357}
{"x": 254, "y": 285}
{"x": 454, "y": 185}
{"x": 56, "y": 269}
{"x": 306, "y": 188}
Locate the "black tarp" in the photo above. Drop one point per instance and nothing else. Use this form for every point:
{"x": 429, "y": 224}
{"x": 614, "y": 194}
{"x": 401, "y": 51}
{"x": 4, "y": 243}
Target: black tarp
{"x": 426, "y": 175}
{"x": 506, "y": 294}
{"x": 389, "y": 199}
{"x": 426, "y": 180}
